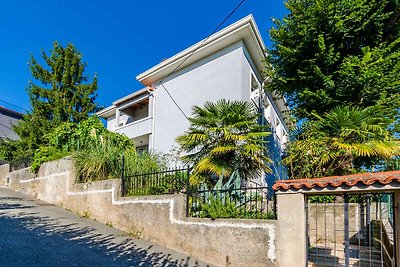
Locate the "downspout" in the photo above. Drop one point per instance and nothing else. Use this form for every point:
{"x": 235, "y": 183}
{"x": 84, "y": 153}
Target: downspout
{"x": 262, "y": 120}
{"x": 271, "y": 149}
{"x": 261, "y": 106}
{"x": 153, "y": 124}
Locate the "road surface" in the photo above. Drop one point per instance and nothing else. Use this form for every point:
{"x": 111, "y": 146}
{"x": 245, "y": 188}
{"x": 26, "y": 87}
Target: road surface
{"x": 35, "y": 233}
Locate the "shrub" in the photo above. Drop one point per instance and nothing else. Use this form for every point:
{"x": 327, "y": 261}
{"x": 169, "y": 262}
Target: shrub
{"x": 217, "y": 207}
{"x": 102, "y": 158}
{"x": 84, "y": 135}
{"x": 99, "y": 162}
{"x": 142, "y": 163}
{"x": 157, "y": 184}
{"x": 228, "y": 200}
{"x": 45, "y": 154}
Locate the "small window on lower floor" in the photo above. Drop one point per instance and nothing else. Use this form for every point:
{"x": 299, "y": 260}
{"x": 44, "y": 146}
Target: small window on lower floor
{"x": 142, "y": 149}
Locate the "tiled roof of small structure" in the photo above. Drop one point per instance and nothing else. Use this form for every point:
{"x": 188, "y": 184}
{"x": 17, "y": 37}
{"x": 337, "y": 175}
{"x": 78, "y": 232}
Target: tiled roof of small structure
{"x": 368, "y": 178}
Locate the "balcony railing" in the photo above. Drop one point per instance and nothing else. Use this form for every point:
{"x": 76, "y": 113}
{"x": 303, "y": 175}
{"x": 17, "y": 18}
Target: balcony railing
{"x": 136, "y": 128}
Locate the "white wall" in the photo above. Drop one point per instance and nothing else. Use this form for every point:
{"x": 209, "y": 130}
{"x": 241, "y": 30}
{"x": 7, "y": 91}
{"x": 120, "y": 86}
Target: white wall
{"x": 131, "y": 122}
{"x": 225, "y": 74}
{"x": 111, "y": 121}
{"x": 6, "y": 123}
{"x": 221, "y": 75}
{"x": 271, "y": 113}
{"x": 137, "y": 128}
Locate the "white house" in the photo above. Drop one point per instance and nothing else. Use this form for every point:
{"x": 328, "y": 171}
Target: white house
{"x": 226, "y": 65}
{"x": 8, "y": 118}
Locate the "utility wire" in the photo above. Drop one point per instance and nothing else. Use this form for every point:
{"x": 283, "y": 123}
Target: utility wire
{"x": 5, "y": 102}
{"x": 205, "y": 40}
{"x": 173, "y": 100}
{"x": 1, "y": 124}
{"x": 197, "y": 48}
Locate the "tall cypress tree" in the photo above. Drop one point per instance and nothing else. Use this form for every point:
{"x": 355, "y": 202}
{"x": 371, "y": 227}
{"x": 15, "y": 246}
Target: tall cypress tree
{"x": 64, "y": 94}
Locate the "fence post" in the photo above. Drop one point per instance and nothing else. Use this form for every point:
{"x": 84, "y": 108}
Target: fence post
{"x": 274, "y": 205}
{"x": 187, "y": 191}
{"x": 123, "y": 177}
{"x": 346, "y": 231}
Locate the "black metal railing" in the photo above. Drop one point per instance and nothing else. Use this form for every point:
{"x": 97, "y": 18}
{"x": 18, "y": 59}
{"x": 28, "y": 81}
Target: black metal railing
{"x": 18, "y": 164}
{"x": 167, "y": 181}
{"x": 245, "y": 202}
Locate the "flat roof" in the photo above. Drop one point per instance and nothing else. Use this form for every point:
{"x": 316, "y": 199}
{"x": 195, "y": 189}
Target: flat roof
{"x": 11, "y": 113}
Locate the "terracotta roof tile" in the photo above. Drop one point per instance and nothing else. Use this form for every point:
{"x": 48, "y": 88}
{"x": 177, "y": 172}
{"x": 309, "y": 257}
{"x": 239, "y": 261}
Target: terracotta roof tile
{"x": 368, "y": 178}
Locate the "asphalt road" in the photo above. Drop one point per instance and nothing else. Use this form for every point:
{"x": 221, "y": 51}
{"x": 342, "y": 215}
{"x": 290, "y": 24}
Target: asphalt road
{"x": 34, "y": 233}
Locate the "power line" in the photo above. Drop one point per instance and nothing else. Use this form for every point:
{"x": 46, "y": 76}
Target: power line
{"x": 173, "y": 100}
{"x": 197, "y": 48}
{"x": 1, "y": 124}
{"x": 208, "y": 37}
{"x": 13, "y": 105}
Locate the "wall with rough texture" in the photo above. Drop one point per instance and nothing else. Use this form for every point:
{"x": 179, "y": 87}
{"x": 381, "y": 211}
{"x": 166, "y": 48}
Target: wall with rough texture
{"x": 161, "y": 219}
{"x": 291, "y": 233}
{"x": 4, "y": 169}
{"x": 326, "y": 220}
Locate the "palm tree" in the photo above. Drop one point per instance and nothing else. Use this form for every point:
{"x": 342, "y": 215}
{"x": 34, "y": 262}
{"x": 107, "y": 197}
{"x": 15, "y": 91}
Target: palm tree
{"x": 223, "y": 137}
{"x": 341, "y": 142}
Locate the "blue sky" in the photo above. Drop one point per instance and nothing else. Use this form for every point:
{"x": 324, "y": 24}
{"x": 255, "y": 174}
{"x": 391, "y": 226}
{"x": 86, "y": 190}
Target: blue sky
{"x": 118, "y": 39}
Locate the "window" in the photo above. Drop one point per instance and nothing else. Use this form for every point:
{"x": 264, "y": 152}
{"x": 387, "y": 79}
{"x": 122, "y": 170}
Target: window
{"x": 142, "y": 149}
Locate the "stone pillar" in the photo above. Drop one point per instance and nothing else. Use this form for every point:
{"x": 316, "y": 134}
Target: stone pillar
{"x": 292, "y": 243}
{"x": 4, "y": 170}
{"x": 396, "y": 205}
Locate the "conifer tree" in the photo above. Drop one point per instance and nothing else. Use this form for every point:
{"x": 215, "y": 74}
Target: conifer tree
{"x": 338, "y": 59}
{"x": 329, "y": 53}
{"x": 63, "y": 94}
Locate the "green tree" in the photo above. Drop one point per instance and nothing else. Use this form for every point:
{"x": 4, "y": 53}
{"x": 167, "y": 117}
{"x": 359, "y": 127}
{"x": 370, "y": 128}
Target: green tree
{"x": 64, "y": 94}
{"x": 328, "y": 53}
{"x": 340, "y": 142}
{"x": 223, "y": 137}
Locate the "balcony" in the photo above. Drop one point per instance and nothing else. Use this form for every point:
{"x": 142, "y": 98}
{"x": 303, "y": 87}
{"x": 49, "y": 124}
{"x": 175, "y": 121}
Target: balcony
{"x": 133, "y": 117}
{"x": 136, "y": 128}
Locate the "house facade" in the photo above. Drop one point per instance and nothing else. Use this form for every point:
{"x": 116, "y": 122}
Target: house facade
{"x": 8, "y": 118}
{"x": 226, "y": 65}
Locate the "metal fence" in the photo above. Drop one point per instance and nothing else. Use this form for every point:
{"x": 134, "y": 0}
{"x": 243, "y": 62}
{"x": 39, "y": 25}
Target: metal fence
{"x": 245, "y": 202}
{"x": 167, "y": 181}
{"x": 350, "y": 230}
{"x": 17, "y": 164}
{"x": 251, "y": 201}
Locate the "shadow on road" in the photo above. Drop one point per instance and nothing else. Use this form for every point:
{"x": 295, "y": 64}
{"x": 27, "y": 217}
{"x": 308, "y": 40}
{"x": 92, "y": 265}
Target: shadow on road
{"x": 42, "y": 240}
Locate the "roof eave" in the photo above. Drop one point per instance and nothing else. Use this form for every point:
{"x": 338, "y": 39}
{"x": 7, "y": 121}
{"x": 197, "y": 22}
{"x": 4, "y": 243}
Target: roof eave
{"x": 130, "y": 96}
{"x": 106, "y": 112}
{"x": 245, "y": 29}
{"x": 11, "y": 113}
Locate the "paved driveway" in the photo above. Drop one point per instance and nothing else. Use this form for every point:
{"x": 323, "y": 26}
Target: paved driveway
{"x": 34, "y": 233}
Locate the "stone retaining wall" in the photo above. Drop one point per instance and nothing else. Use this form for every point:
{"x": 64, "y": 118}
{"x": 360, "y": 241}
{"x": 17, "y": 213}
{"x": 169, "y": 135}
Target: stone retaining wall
{"x": 222, "y": 242}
